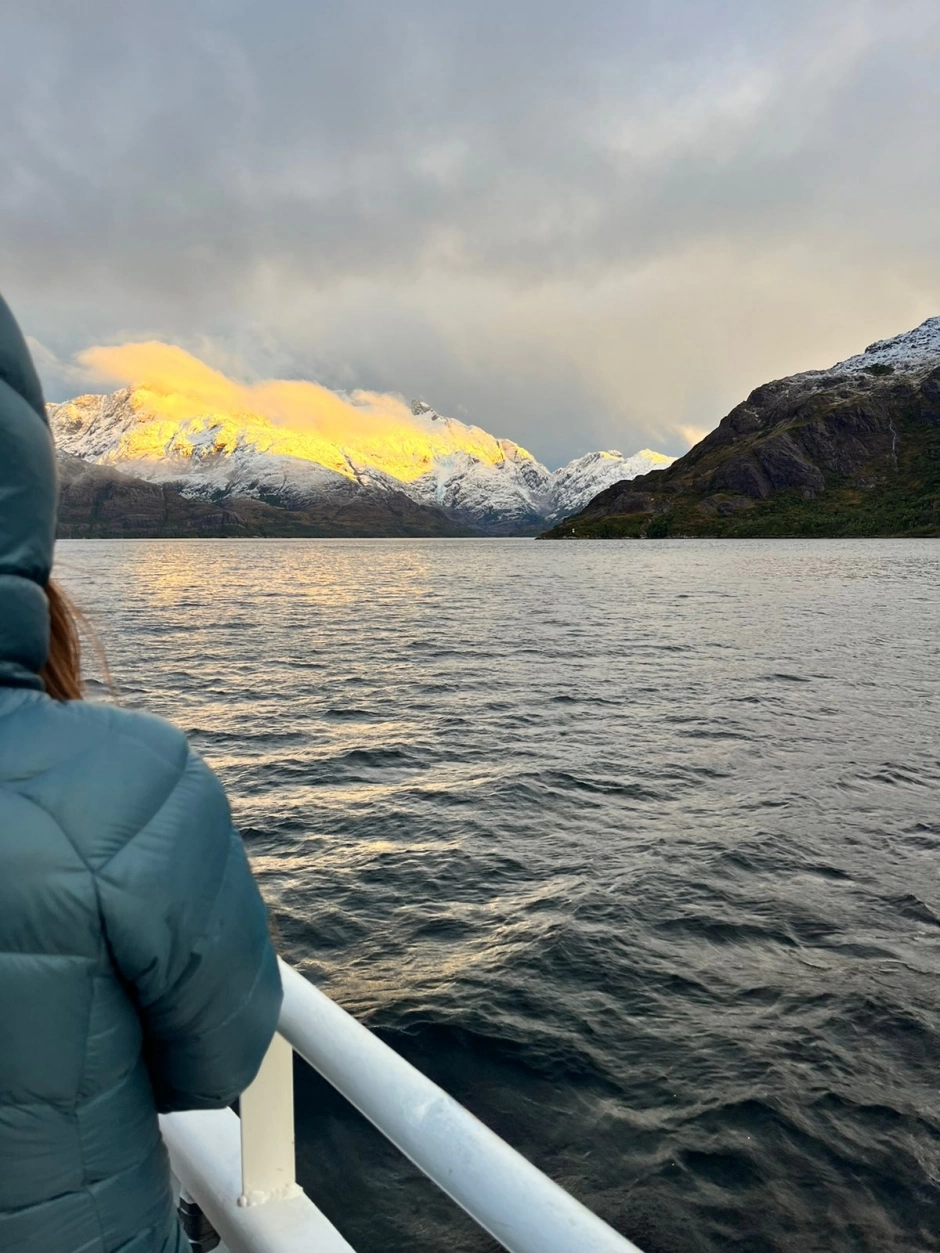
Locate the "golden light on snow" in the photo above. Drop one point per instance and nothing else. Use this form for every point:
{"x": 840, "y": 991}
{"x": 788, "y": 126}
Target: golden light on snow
{"x": 186, "y": 406}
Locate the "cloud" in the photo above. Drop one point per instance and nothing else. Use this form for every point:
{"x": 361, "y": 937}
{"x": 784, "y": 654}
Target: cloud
{"x": 585, "y": 225}
{"x": 176, "y": 394}
{"x": 179, "y": 384}
{"x": 692, "y": 434}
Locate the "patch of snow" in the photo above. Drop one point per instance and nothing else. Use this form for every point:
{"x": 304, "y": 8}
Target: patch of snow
{"x": 910, "y": 352}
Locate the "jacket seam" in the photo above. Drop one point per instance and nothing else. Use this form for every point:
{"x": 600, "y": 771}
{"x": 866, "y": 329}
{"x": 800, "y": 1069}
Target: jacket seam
{"x": 99, "y": 870}
{"x": 125, "y": 733}
{"x": 246, "y": 1000}
{"x": 94, "y": 871}
{"x": 86, "y": 1187}
{"x": 204, "y": 931}
{"x": 233, "y": 836}
{"x": 133, "y": 739}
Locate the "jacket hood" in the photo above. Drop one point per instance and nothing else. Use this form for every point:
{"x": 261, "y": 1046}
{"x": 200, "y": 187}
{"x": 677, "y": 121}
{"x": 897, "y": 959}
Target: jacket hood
{"x": 27, "y": 511}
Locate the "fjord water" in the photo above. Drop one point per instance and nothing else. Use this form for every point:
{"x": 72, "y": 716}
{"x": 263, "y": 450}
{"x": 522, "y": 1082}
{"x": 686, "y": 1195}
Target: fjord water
{"x": 633, "y": 847}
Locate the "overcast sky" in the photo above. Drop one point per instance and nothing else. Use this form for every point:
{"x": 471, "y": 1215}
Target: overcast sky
{"x": 581, "y": 224}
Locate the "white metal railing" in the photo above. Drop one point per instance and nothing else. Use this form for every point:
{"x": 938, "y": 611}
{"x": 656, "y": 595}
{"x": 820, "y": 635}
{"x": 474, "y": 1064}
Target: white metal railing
{"x": 242, "y": 1174}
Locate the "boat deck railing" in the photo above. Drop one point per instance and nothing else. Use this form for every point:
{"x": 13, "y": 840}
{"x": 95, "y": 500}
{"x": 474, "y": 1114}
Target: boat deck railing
{"x": 240, "y": 1171}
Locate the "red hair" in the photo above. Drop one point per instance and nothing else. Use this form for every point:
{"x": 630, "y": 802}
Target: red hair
{"x": 62, "y": 673}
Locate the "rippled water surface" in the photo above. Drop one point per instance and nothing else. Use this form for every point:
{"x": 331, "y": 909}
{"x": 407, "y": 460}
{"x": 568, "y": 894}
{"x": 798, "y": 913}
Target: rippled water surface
{"x": 635, "y": 848}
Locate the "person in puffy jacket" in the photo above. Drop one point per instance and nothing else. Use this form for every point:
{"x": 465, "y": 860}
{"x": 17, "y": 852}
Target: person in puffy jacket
{"x": 136, "y": 972}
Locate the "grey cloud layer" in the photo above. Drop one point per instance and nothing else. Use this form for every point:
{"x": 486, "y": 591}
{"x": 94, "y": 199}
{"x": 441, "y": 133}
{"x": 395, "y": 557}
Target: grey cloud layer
{"x": 582, "y": 224}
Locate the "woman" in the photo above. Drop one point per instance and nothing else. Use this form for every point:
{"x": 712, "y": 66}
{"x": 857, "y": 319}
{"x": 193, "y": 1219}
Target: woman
{"x": 136, "y": 973}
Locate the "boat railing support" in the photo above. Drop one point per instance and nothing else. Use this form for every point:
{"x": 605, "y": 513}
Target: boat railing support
{"x": 242, "y": 1174}
{"x": 267, "y": 1129}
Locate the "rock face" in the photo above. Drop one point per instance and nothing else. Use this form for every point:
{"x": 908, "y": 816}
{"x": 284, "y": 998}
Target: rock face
{"x": 444, "y": 467}
{"x": 98, "y": 502}
{"x": 853, "y": 450}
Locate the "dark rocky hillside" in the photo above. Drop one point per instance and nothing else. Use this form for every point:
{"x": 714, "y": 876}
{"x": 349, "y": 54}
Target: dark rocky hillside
{"x": 851, "y": 451}
{"x": 96, "y": 502}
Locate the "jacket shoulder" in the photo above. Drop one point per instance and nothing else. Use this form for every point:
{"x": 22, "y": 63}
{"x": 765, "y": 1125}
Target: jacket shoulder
{"x": 102, "y": 772}
{"x": 135, "y": 728}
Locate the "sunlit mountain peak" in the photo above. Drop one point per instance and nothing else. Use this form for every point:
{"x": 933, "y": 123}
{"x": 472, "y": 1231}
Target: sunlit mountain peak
{"x": 176, "y": 419}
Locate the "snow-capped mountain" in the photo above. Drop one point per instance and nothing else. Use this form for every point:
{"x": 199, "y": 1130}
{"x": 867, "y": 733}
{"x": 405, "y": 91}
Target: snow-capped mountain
{"x": 215, "y": 452}
{"x": 579, "y": 481}
{"x": 851, "y": 450}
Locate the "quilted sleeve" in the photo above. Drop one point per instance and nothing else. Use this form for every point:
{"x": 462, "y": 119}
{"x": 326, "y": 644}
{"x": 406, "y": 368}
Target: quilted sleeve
{"x": 188, "y": 932}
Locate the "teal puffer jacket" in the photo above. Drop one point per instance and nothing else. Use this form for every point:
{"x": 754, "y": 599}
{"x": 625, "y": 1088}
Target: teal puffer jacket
{"x": 136, "y": 973}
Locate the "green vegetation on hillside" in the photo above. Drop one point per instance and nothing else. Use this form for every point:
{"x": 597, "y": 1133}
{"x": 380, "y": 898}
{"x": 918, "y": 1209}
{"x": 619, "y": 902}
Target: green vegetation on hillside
{"x": 900, "y": 502}
{"x": 831, "y": 453}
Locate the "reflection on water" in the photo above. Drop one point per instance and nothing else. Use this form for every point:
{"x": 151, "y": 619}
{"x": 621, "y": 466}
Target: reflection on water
{"x": 631, "y": 846}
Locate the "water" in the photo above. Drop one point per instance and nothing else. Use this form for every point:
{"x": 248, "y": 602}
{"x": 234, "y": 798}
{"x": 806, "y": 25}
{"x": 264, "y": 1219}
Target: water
{"x": 632, "y": 847}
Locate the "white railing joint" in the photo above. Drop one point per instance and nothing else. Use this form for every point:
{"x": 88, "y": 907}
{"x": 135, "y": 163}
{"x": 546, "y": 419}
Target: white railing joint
{"x": 242, "y": 1173}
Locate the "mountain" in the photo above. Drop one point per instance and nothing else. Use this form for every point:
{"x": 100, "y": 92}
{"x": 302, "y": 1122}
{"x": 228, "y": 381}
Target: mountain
{"x": 849, "y": 451}
{"x": 579, "y": 481}
{"x": 220, "y": 453}
{"x": 99, "y": 502}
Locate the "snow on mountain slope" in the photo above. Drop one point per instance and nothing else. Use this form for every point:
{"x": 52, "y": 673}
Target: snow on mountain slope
{"x": 502, "y": 497}
{"x": 291, "y": 443}
{"x": 460, "y": 468}
{"x": 213, "y": 455}
{"x": 580, "y": 481}
{"x": 912, "y": 352}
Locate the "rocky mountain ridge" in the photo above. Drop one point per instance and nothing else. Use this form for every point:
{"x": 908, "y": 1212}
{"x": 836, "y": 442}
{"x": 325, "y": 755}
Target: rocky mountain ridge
{"x": 479, "y": 482}
{"x": 99, "y": 502}
{"x": 851, "y": 450}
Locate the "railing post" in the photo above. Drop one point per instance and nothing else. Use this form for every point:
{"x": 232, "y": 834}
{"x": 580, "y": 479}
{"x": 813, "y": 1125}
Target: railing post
{"x": 267, "y": 1129}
